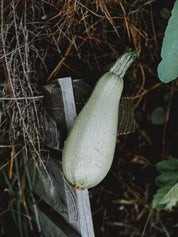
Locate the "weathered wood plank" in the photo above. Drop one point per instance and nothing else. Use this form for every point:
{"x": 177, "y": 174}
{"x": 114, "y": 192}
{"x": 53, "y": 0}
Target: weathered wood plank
{"x": 84, "y": 224}
{"x": 52, "y": 133}
{"x": 68, "y": 101}
{"x": 55, "y": 226}
{"x": 72, "y": 205}
{"x": 63, "y": 198}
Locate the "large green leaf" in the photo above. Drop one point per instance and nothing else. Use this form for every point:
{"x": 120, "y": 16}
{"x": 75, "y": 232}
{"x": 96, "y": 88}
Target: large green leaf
{"x": 167, "y": 196}
{"x": 168, "y": 67}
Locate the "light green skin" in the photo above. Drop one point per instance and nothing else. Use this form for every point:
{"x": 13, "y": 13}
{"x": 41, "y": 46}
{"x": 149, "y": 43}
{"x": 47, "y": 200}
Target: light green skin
{"x": 89, "y": 149}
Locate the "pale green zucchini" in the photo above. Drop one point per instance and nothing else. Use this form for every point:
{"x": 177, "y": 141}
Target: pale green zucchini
{"x": 89, "y": 149}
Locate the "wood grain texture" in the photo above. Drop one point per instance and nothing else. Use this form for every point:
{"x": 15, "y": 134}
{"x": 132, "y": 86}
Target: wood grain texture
{"x": 71, "y": 204}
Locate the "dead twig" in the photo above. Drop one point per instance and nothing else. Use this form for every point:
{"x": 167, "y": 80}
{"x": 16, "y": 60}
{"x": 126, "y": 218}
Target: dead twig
{"x": 57, "y": 68}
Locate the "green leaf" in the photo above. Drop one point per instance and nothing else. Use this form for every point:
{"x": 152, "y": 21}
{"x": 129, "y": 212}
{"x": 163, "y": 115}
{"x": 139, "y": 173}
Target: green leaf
{"x": 168, "y": 67}
{"x": 167, "y": 196}
{"x": 158, "y": 197}
{"x": 165, "y": 13}
{"x": 171, "y": 198}
{"x": 168, "y": 165}
{"x": 158, "y": 116}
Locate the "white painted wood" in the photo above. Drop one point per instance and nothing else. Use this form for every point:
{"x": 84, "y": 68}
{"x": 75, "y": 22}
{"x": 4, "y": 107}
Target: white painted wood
{"x": 83, "y": 224}
{"x": 68, "y": 100}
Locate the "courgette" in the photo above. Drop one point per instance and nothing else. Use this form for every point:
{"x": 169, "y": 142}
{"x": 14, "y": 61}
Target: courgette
{"x": 89, "y": 149}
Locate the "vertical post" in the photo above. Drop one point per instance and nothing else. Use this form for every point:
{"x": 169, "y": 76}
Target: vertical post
{"x": 83, "y": 224}
{"x": 68, "y": 101}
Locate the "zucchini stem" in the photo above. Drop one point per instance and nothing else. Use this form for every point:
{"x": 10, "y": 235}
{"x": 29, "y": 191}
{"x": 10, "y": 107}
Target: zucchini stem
{"x": 124, "y": 61}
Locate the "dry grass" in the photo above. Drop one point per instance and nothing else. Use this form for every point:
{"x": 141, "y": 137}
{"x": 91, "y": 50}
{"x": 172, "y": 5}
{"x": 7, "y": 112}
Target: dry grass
{"x": 42, "y": 40}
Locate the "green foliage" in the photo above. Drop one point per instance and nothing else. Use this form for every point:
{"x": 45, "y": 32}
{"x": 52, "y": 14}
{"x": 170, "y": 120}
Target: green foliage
{"x": 167, "y": 196}
{"x": 165, "y": 13}
{"x": 168, "y": 67}
{"x": 171, "y": 198}
{"x": 158, "y": 115}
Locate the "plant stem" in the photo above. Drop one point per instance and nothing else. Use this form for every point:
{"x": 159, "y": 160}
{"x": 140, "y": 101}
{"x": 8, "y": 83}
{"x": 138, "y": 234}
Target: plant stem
{"x": 166, "y": 122}
{"x": 124, "y": 62}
